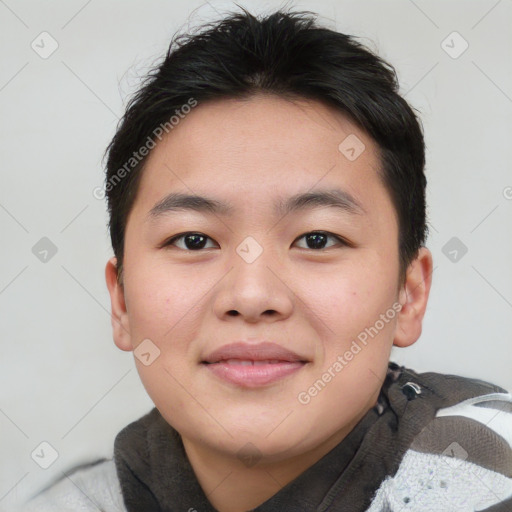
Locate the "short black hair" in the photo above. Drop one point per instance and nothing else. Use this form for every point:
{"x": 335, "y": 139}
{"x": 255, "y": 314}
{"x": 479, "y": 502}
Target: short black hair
{"x": 287, "y": 54}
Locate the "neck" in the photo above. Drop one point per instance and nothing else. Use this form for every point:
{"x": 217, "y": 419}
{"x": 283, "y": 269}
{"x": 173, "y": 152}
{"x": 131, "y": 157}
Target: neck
{"x": 232, "y": 486}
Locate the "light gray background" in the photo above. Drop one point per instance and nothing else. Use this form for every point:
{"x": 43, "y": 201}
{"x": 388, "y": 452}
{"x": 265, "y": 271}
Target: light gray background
{"x": 63, "y": 380}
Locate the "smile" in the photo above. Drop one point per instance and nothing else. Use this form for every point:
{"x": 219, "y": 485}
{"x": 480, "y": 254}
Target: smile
{"x": 253, "y": 365}
{"x": 252, "y": 374}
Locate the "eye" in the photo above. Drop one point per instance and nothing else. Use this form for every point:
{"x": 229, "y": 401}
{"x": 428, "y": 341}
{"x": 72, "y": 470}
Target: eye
{"x": 195, "y": 241}
{"x": 189, "y": 241}
{"x": 318, "y": 239}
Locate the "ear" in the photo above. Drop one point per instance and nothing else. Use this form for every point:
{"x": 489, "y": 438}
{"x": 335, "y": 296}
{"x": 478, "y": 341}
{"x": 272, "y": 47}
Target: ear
{"x": 119, "y": 315}
{"x": 414, "y": 297}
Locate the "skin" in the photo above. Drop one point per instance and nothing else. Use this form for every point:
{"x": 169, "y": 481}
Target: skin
{"x": 314, "y": 301}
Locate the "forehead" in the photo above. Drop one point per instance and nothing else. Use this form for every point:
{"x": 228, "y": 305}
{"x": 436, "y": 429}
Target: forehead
{"x": 257, "y": 152}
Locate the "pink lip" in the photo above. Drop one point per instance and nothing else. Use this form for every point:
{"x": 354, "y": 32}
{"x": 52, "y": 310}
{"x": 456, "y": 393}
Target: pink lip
{"x": 253, "y": 365}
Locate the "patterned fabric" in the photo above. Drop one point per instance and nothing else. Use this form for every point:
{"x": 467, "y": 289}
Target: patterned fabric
{"x": 432, "y": 443}
{"x": 472, "y": 473}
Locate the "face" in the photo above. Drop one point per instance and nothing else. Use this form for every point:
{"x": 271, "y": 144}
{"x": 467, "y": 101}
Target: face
{"x": 268, "y": 314}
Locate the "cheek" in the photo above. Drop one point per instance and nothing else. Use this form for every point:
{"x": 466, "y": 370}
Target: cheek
{"x": 160, "y": 301}
{"x": 349, "y": 302}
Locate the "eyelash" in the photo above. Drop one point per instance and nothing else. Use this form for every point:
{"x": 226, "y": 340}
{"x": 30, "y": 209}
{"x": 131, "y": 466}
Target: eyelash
{"x": 341, "y": 241}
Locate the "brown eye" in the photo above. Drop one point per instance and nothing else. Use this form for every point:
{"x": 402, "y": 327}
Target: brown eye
{"x": 189, "y": 241}
{"x": 318, "y": 240}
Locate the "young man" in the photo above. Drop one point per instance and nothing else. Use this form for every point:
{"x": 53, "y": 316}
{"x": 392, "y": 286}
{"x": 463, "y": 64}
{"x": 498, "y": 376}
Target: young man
{"x": 267, "y": 214}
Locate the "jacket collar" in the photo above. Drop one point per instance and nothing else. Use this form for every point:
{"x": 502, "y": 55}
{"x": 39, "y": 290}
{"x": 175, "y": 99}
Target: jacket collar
{"x": 155, "y": 474}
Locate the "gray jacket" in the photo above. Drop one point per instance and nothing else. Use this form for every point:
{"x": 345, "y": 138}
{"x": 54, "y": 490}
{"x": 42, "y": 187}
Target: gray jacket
{"x": 455, "y": 457}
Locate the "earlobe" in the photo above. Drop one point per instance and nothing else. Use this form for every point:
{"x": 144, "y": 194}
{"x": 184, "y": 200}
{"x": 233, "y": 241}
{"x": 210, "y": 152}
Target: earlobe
{"x": 119, "y": 314}
{"x": 414, "y": 297}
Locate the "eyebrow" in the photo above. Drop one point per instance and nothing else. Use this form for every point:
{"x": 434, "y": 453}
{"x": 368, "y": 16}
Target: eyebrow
{"x": 332, "y": 198}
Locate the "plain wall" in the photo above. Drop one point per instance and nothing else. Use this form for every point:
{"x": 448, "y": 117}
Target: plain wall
{"x": 63, "y": 380}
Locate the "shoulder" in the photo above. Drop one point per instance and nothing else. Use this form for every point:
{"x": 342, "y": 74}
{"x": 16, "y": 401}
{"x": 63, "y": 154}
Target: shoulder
{"x": 87, "y": 488}
{"x": 462, "y": 455}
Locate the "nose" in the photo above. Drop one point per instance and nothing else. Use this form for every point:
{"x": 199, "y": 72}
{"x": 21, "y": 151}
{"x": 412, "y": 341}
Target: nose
{"x": 255, "y": 291}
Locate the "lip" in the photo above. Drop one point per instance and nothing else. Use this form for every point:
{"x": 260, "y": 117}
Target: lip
{"x": 253, "y": 365}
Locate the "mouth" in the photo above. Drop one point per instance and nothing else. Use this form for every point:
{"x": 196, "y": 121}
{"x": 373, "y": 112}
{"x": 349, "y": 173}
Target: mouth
{"x": 253, "y": 365}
